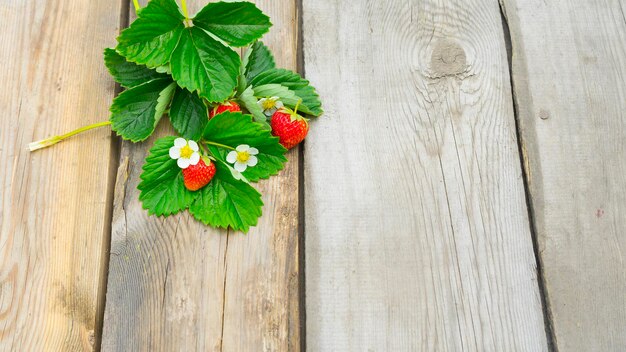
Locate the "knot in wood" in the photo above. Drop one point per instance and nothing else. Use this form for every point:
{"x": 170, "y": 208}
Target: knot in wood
{"x": 448, "y": 58}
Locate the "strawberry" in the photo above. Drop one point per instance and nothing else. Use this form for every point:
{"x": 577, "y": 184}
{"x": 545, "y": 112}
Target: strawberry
{"x": 199, "y": 175}
{"x": 227, "y": 106}
{"x": 289, "y": 127}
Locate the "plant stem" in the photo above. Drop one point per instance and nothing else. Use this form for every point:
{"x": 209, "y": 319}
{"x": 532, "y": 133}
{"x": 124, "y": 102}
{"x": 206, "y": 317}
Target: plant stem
{"x": 219, "y": 145}
{"x": 295, "y": 110}
{"x": 137, "y": 6}
{"x": 185, "y": 12}
{"x": 44, "y": 143}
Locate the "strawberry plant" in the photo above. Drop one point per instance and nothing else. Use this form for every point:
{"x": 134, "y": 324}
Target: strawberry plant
{"x": 234, "y": 116}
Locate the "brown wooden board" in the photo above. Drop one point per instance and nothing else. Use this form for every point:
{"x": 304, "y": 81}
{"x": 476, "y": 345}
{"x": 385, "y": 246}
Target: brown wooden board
{"x": 55, "y": 210}
{"x": 175, "y": 284}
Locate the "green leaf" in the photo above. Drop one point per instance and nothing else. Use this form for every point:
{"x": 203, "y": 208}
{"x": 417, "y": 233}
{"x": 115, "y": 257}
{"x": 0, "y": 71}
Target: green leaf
{"x": 287, "y": 96}
{"x": 128, "y": 74}
{"x": 188, "y": 114}
{"x": 152, "y": 37}
{"x": 203, "y": 64}
{"x": 311, "y": 103}
{"x": 162, "y": 191}
{"x": 234, "y": 129}
{"x": 236, "y": 23}
{"x": 136, "y": 111}
{"x": 250, "y": 102}
{"x": 226, "y": 201}
{"x": 259, "y": 59}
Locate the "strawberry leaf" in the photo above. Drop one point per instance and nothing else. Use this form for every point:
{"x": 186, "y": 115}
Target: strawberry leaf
{"x": 227, "y": 201}
{"x": 128, "y": 74}
{"x": 152, "y": 37}
{"x": 204, "y": 65}
{"x": 236, "y": 23}
{"x": 295, "y": 84}
{"x": 136, "y": 111}
{"x": 162, "y": 191}
{"x": 233, "y": 129}
{"x": 188, "y": 114}
{"x": 250, "y": 102}
{"x": 258, "y": 59}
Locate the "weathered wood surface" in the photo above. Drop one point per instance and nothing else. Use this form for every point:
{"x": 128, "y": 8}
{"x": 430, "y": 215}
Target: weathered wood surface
{"x": 54, "y": 216}
{"x": 417, "y": 230}
{"x": 569, "y": 71}
{"x": 176, "y": 285}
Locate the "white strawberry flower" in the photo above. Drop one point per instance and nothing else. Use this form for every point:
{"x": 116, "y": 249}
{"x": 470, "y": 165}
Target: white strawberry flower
{"x": 269, "y": 105}
{"x": 185, "y": 152}
{"x": 242, "y": 157}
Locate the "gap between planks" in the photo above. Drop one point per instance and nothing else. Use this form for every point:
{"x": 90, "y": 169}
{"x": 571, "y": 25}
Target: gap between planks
{"x": 114, "y": 164}
{"x": 541, "y": 281}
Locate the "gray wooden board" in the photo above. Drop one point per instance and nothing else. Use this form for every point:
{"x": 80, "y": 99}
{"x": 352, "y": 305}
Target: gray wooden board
{"x": 417, "y": 229}
{"x": 569, "y": 71}
{"x": 177, "y": 285}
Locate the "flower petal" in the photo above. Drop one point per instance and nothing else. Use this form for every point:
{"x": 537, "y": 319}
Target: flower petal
{"x": 194, "y": 159}
{"x": 275, "y": 98}
{"x": 252, "y": 160}
{"x": 183, "y": 163}
{"x": 279, "y": 104}
{"x": 193, "y": 145}
{"x": 253, "y": 151}
{"x": 231, "y": 157}
{"x": 240, "y": 167}
{"x": 243, "y": 147}
{"x": 180, "y": 142}
{"x": 174, "y": 152}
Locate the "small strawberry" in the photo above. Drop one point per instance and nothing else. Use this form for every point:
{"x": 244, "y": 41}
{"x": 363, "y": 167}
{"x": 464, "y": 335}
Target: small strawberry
{"x": 289, "y": 127}
{"x": 227, "y": 106}
{"x": 199, "y": 175}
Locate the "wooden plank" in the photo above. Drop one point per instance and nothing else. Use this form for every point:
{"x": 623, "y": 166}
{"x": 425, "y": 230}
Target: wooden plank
{"x": 55, "y": 211}
{"x": 175, "y": 284}
{"x": 569, "y": 71}
{"x": 417, "y": 230}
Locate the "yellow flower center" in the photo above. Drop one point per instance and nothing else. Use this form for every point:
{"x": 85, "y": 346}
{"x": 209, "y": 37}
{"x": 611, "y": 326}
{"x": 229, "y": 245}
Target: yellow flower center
{"x": 186, "y": 152}
{"x": 268, "y": 104}
{"x": 243, "y": 157}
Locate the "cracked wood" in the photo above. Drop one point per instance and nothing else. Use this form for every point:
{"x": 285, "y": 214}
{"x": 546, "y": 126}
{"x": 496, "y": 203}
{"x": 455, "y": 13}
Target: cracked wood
{"x": 569, "y": 69}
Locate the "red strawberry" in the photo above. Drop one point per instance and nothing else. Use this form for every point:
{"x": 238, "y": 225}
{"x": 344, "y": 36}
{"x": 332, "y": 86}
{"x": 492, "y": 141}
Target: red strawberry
{"x": 227, "y": 106}
{"x": 289, "y": 127}
{"x": 199, "y": 175}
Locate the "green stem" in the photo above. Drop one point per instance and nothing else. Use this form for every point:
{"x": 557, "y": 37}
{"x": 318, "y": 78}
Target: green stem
{"x": 137, "y": 6}
{"x": 185, "y": 12}
{"x": 219, "y": 145}
{"x": 295, "y": 110}
{"x": 44, "y": 143}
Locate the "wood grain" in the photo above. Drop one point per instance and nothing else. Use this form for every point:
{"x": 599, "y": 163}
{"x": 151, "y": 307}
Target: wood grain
{"x": 175, "y": 284}
{"x": 54, "y": 216}
{"x": 569, "y": 72}
{"x": 417, "y": 230}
